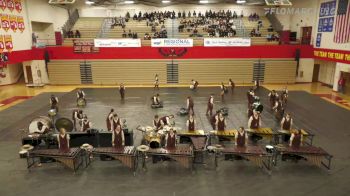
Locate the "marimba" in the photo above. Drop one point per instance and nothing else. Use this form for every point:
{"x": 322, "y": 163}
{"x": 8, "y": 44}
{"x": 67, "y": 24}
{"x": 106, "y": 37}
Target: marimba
{"x": 126, "y": 155}
{"x": 182, "y": 153}
{"x": 266, "y": 133}
{"x": 198, "y": 138}
{"x": 315, "y": 155}
{"x": 256, "y": 154}
{"x": 72, "y": 159}
{"x": 308, "y": 137}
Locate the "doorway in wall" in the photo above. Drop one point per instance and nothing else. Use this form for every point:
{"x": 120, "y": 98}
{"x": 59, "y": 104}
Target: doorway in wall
{"x": 346, "y": 76}
{"x": 316, "y": 73}
{"x": 306, "y": 35}
{"x": 29, "y": 74}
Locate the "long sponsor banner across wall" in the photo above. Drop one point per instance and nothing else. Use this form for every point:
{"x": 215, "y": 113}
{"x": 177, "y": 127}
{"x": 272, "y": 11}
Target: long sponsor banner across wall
{"x": 172, "y": 42}
{"x": 117, "y": 43}
{"x": 227, "y": 42}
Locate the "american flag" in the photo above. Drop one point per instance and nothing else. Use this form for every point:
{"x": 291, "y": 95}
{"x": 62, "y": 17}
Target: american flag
{"x": 342, "y": 25}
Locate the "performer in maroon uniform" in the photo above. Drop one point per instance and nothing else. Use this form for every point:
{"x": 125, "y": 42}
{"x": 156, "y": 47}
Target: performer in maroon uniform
{"x": 77, "y": 117}
{"x": 250, "y": 97}
{"x": 254, "y": 121}
{"x": 54, "y": 102}
{"x": 191, "y": 123}
{"x": 170, "y": 139}
{"x": 166, "y": 119}
{"x": 85, "y": 124}
{"x": 122, "y": 91}
{"x": 115, "y": 121}
{"x": 287, "y": 123}
{"x": 232, "y": 85}
{"x": 278, "y": 108}
{"x": 63, "y": 140}
{"x": 296, "y": 139}
{"x": 190, "y": 105}
{"x": 118, "y": 140}
{"x": 220, "y": 123}
{"x": 210, "y": 105}
{"x": 273, "y": 97}
{"x": 156, "y": 82}
{"x": 241, "y": 138}
{"x": 157, "y": 123}
{"x": 80, "y": 95}
{"x": 109, "y": 120}
{"x": 223, "y": 91}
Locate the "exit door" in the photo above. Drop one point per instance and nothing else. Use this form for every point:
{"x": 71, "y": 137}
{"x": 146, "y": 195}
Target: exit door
{"x": 306, "y": 35}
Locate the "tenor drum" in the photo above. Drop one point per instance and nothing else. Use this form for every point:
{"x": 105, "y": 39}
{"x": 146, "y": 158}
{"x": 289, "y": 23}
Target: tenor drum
{"x": 33, "y": 125}
{"x": 155, "y": 142}
{"x": 52, "y": 112}
{"x": 81, "y": 102}
{"x": 64, "y": 123}
{"x": 191, "y": 86}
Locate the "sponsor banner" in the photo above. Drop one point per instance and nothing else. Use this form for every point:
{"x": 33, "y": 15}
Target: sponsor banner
{"x": 328, "y": 8}
{"x": 2, "y": 44}
{"x": 13, "y": 23}
{"x": 227, "y": 42}
{"x": 10, "y": 5}
{"x": 84, "y": 46}
{"x": 18, "y": 5}
{"x": 20, "y": 23}
{"x": 5, "y": 23}
{"x": 8, "y": 43}
{"x": 3, "y": 4}
{"x": 117, "y": 43}
{"x": 172, "y": 42}
{"x": 332, "y": 55}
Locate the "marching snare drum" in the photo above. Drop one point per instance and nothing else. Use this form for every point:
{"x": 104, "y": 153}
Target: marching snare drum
{"x": 33, "y": 125}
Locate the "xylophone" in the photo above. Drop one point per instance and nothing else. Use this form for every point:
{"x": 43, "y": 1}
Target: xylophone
{"x": 127, "y": 155}
{"x": 226, "y": 133}
{"x": 72, "y": 159}
{"x": 308, "y": 137}
{"x": 315, "y": 155}
{"x": 266, "y": 133}
{"x": 255, "y": 154}
{"x": 198, "y": 138}
{"x": 183, "y": 154}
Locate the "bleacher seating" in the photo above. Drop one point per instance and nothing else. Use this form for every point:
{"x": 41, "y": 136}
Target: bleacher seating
{"x": 64, "y": 72}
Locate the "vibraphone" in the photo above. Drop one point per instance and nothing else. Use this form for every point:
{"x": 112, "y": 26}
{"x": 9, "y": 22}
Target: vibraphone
{"x": 315, "y": 155}
{"x": 266, "y": 133}
{"x": 227, "y": 134}
{"x": 72, "y": 159}
{"x": 183, "y": 154}
{"x": 127, "y": 155}
{"x": 308, "y": 137}
{"x": 256, "y": 154}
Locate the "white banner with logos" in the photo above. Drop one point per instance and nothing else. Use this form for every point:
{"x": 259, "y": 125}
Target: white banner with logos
{"x": 172, "y": 42}
{"x": 226, "y": 42}
{"x": 117, "y": 43}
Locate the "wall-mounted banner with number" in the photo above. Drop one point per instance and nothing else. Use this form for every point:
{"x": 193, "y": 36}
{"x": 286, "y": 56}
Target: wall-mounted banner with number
{"x": 325, "y": 24}
{"x": 328, "y": 8}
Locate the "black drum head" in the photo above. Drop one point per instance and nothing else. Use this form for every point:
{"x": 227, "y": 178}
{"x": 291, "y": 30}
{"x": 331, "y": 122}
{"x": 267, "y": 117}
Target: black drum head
{"x": 64, "y": 123}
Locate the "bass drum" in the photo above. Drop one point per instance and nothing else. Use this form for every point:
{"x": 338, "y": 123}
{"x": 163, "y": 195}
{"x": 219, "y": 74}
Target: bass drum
{"x": 33, "y": 125}
{"x": 81, "y": 102}
{"x": 64, "y": 123}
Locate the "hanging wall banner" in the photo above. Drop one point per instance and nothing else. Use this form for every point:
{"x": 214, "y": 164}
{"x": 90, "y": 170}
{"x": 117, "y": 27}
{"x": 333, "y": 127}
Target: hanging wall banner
{"x": 13, "y": 23}
{"x": 5, "y": 23}
{"x": 172, "y": 42}
{"x": 3, "y": 4}
{"x": 18, "y": 5}
{"x": 10, "y": 5}
{"x": 2, "y": 44}
{"x": 117, "y": 43}
{"x": 20, "y": 23}
{"x": 8, "y": 43}
{"x": 227, "y": 42}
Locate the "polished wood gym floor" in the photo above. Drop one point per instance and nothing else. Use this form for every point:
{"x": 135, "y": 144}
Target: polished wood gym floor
{"x": 11, "y": 95}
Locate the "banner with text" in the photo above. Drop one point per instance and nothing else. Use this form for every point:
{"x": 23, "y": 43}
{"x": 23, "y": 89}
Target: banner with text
{"x": 117, "y": 43}
{"x": 172, "y": 43}
{"x": 332, "y": 55}
{"x": 227, "y": 42}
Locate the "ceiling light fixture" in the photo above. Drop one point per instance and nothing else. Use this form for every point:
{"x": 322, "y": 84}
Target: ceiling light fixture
{"x": 241, "y": 1}
{"x": 89, "y": 2}
{"x": 128, "y": 2}
{"x": 203, "y": 1}
{"x": 166, "y": 1}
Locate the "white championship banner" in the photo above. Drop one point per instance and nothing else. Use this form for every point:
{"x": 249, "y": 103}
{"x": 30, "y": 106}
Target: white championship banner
{"x": 227, "y": 42}
{"x": 117, "y": 43}
{"x": 172, "y": 42}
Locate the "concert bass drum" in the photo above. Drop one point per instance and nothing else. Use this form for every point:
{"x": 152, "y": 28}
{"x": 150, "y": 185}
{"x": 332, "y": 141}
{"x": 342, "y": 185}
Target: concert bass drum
{"x": 64, "y": 123}
{"x": 81, "y": 102}
{"x": 33, "y": 125}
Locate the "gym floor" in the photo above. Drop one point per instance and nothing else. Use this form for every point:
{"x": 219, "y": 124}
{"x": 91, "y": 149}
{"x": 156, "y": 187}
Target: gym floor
{"x": 314, "y": 112}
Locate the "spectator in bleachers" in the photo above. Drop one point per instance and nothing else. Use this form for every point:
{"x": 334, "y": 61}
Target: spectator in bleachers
{"x": 270, "y": 29}
{"x": 77, "y": 34}
{"x": 124, "y": 34}
{"x": 130, "y": 34}
{"x": 179, "y": 14}
{"x": 147, "y": 37}
{"x": 194, "y": 14}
